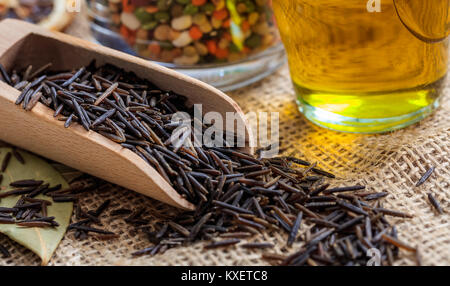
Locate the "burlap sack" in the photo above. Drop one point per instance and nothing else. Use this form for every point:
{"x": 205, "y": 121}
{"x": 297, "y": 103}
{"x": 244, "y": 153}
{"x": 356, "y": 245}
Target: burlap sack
{"x": 391, "y": 162}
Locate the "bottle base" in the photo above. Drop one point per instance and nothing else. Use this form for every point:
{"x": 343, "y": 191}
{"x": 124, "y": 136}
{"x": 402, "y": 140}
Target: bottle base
{"x": 341, "y": 123}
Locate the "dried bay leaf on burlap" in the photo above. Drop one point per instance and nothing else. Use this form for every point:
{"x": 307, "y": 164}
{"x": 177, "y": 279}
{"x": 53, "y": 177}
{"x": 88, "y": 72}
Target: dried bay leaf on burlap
{"x": 42, "y": 241}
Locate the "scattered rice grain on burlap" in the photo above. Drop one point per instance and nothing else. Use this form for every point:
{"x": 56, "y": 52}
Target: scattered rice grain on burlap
{"x": 391, "y": 162}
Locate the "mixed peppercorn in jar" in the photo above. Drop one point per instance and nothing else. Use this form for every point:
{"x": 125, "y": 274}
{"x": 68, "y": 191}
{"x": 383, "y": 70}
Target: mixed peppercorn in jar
{"x": 192, "y": 32}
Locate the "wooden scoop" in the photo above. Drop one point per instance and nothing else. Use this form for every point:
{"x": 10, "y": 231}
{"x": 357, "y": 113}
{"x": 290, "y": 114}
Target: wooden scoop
{"x": 22, "y": 44}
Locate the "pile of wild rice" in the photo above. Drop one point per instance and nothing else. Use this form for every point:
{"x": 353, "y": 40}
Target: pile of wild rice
{"x": 28, "y": 210}
{"x": 237, "y": 195}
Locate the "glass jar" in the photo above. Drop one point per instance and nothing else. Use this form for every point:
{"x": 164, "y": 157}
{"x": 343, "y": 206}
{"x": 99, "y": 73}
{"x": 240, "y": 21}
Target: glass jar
{"x": 226, "y": 43}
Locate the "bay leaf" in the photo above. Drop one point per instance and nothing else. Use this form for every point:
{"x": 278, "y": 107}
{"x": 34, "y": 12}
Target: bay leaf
{"x": 42, "y": 241}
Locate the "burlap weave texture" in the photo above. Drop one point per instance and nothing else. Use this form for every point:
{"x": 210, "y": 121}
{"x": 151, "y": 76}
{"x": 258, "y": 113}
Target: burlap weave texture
{"x": 390, "y": 162}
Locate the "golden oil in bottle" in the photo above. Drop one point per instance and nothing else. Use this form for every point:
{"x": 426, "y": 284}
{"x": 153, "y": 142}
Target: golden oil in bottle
{"x": 363, "y": 68}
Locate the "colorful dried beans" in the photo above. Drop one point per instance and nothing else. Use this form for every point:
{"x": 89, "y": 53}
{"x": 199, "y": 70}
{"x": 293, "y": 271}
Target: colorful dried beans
{"x": 190, "y": 32}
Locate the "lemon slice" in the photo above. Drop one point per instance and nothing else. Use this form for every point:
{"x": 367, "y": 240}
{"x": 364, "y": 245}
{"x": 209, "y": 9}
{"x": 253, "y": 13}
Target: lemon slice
{"x": 60, "y": 16}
